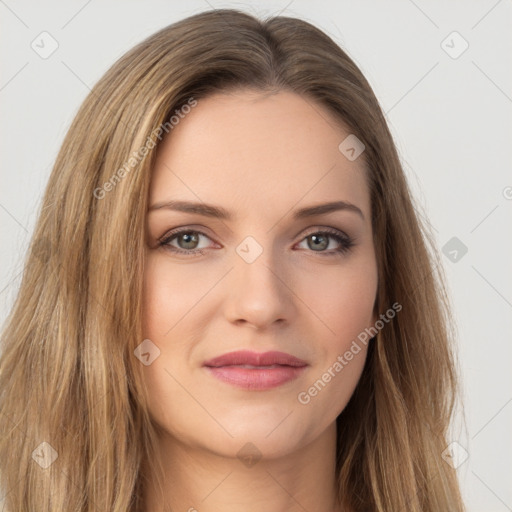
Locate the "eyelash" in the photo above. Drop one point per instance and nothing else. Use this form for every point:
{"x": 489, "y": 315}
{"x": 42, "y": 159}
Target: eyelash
{"x": 346, "y": 243}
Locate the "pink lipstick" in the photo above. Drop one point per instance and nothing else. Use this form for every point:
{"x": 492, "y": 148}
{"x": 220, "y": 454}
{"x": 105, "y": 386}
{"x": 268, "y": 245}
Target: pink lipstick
{"x": 256, "y": 371}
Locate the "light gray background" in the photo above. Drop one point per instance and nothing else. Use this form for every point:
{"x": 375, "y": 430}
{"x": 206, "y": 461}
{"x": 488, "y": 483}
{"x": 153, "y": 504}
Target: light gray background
{"x": 451, "y": 119}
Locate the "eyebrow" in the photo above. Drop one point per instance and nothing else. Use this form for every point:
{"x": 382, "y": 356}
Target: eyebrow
{"x": 218, "y": 212}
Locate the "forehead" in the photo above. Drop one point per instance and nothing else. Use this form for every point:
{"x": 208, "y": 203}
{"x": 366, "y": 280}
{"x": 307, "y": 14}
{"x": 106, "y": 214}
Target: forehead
{"x": 256, "y": 150}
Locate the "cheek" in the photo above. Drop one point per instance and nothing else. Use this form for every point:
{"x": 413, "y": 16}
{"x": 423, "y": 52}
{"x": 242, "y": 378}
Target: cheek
{"x": 345, "y": 304}
{"x": 328, "y": 392}
{"x": 167, "y": 297}
{"x": 344, "y": 301}
{"x": 169, "y": 294}
{"x": 346, "y": 308}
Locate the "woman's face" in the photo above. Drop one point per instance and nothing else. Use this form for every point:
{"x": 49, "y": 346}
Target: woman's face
{"x": 265, "y": 279}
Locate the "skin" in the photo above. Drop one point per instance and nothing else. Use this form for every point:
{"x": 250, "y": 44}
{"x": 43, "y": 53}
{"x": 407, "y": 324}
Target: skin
{"x": 261, "y": 156}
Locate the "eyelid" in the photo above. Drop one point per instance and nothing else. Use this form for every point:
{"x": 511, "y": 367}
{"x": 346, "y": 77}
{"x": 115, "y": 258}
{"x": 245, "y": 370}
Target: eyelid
{"x": 346, "y": 241}
{"x": 326, "y": 229}
{"x": 165, "y": 239}
{"x": 309, "y": 231}
{"x": 196, "y": 228}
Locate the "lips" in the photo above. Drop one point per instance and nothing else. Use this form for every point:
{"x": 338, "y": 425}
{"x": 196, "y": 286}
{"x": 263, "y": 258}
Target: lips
{"x": 255, "y": 359}
{"x": 254, "y": 371}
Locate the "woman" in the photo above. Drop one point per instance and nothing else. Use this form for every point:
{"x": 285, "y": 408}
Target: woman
{"x": 229, "y": 299}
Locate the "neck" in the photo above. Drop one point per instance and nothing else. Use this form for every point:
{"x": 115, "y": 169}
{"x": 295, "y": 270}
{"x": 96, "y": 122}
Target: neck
{"x": 196, "y": 479}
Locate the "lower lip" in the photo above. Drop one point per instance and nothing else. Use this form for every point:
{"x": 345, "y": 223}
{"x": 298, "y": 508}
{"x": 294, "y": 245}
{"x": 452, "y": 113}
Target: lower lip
{"x": 253, "y": 378}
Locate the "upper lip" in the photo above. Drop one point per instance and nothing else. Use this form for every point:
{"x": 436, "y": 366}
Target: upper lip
{"x": 241, "y": 357}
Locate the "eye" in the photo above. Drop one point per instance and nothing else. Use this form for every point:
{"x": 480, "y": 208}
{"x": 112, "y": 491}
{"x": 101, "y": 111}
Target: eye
{"x": 318, "y": 241}
{"x": 188, "y": 241}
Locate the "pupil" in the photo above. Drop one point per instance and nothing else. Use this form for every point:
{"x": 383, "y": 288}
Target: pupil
{"x": 316, "y": 238}
{"x": 189, "y": 238}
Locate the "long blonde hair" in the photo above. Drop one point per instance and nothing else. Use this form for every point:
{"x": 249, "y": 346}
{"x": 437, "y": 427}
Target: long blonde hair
{"x": 75, "y": 431}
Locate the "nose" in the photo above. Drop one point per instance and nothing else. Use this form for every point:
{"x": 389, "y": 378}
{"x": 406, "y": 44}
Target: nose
{"x": 259, "y": 294}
